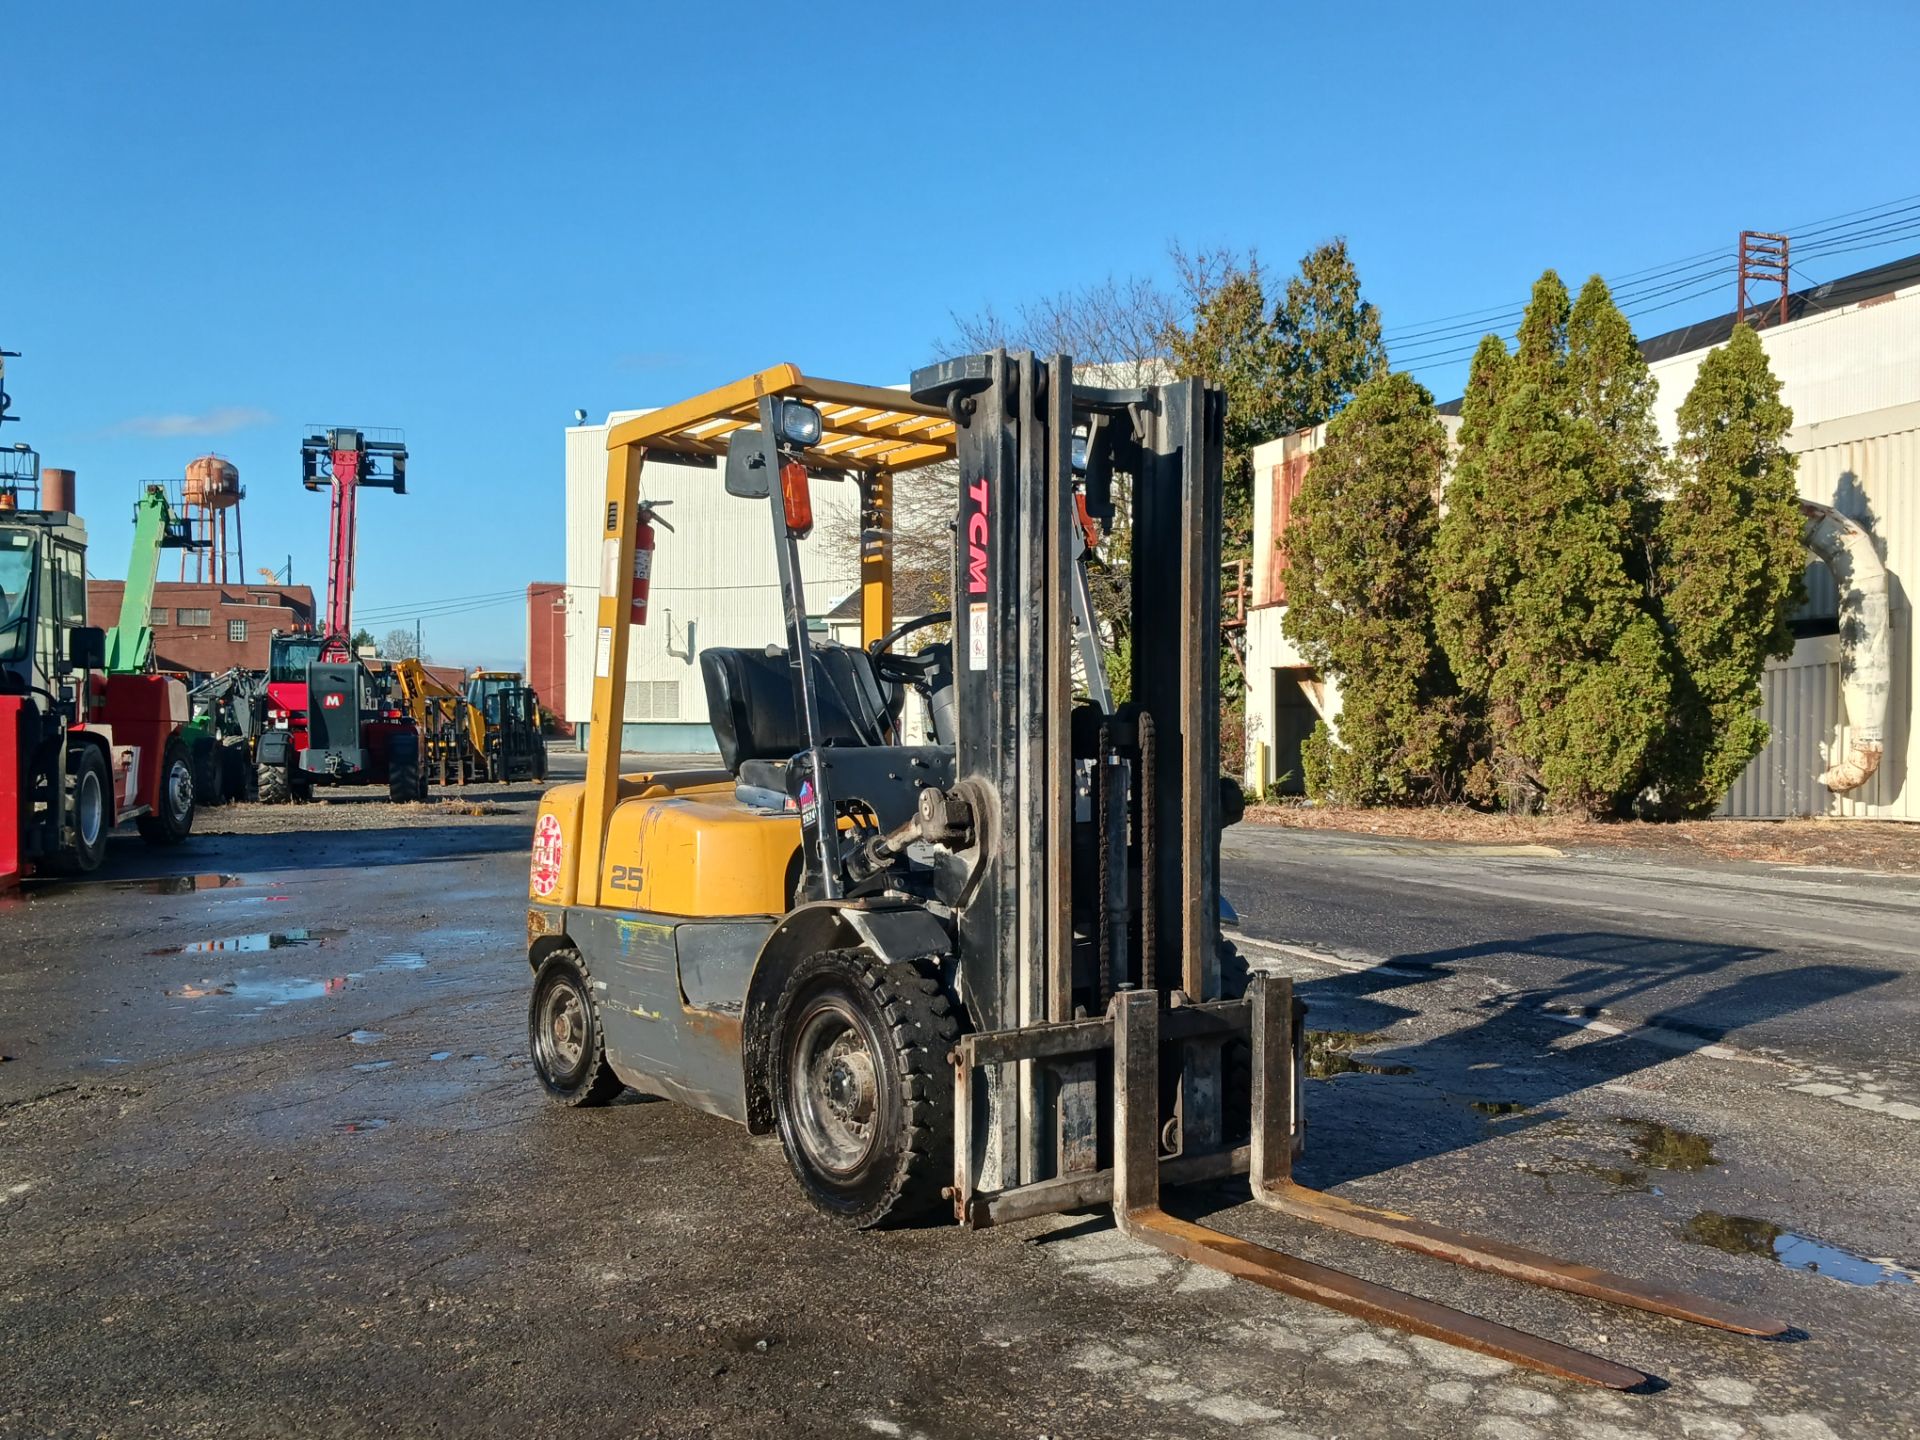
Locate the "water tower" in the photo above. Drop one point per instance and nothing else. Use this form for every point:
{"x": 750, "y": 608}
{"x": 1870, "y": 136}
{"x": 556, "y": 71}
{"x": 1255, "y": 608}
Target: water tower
{"x": 211, "y": 490}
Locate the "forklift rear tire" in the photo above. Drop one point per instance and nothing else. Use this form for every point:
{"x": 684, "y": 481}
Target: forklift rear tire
{"x": 173, "y": 821}
{"x": 563, "y": 1035}
{"x": 862, "y": 1093}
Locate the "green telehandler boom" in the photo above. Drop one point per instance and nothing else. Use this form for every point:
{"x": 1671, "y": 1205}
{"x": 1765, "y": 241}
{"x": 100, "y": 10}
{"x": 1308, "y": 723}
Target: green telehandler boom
{"x": 155, "y": 528}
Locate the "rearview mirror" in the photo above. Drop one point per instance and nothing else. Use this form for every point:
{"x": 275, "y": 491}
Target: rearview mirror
{"x": 747, "y": 474}
{"x": 86, "y": 648}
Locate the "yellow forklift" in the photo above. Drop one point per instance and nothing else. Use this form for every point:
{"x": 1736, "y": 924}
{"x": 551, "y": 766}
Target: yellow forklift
{"x": 986, "y": 972}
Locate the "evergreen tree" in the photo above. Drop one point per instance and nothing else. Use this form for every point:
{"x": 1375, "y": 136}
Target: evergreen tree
{"x": 1473, "y": 565}
{"x": 1541, "y": 603}
{"x": 1730, "y": 557}
{"x": 1543, "y": 329}
{"x": 1359, "y": 554}
{"x": 1283, "y": 369}
{"x": 1579, "y": 681}
{"x": 1327, "y": 338}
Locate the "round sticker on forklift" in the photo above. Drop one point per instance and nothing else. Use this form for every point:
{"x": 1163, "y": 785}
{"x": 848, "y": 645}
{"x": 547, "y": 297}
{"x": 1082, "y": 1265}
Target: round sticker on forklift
{"x": 547, "y": 849}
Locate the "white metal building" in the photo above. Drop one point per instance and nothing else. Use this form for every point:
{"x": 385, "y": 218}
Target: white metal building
{"x": 1848, "y": 358}
{"x": 715, "y": 582}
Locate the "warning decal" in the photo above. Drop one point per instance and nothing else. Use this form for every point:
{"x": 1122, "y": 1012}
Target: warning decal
{"x": 547, "y": 850}
{"x": 977, "y": 636}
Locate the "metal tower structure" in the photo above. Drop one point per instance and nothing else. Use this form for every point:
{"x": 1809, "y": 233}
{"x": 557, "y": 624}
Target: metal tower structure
{"x": 210, "y": 491}
{"x": 1763, "y": 265}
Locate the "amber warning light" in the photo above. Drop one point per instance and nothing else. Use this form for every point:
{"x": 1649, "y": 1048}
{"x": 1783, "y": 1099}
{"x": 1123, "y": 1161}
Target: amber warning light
{"x": 798, "y": 498}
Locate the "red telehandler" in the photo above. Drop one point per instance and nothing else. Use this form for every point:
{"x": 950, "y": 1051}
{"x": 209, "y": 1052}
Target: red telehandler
{"x": 329, "y": 723}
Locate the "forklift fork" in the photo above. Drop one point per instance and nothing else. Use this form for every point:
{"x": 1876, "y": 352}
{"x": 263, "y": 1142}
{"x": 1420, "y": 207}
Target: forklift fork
{"x": 1136, "y": 1206}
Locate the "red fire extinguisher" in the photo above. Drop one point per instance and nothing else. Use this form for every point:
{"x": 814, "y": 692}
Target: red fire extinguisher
{"x": 645, "y": 518}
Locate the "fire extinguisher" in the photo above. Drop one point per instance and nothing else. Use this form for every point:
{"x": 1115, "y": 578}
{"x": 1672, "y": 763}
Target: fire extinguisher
{"x": 645, "y": 519}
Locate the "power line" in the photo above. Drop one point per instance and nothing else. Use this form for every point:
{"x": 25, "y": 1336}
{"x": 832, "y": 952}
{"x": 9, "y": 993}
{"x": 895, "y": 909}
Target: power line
{"x": 1869, "y": 227}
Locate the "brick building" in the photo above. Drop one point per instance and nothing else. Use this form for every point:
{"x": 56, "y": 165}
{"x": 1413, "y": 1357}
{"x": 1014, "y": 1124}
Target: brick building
{"x": 547, "y": 648}
{"x": 204, "y": 629}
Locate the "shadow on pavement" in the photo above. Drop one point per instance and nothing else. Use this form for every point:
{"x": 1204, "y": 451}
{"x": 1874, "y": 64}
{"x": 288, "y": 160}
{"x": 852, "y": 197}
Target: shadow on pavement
{"x": 1495, "y": 1071}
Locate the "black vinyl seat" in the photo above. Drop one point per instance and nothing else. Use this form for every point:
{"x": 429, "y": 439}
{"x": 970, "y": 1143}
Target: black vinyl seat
{"x": 751, "y": 706}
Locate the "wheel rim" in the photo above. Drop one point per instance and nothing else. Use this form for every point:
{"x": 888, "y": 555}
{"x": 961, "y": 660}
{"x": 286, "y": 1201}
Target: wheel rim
{"x": 835, "y": 1084}
{"x": 561, "y": 1033}
{"x": 180, "y": 789}
{"x": 89, "y": 810}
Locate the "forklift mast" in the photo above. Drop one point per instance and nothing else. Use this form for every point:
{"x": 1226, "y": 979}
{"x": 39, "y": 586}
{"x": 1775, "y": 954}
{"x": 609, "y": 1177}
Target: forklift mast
{"x": 155, "y": 528}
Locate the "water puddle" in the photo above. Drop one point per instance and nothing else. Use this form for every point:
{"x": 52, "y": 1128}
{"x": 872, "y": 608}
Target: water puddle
{"x": 364, "y": 1037}
{"x": 251, "y": 944}
{"x": 1330, "y": 1053}
{"x": 1620, "y": 1177}
{"x": 356, "y": 1127}
{"x": 403, "y": 962}
{"x": 180, "y": 884}
{"x": 441, "y": 1055}
{"x": 1743, "y": 1235}
{"x": 1661, "y": 1147}
{"x": 366, "y": 1067}
{"x": 266, "y": 990}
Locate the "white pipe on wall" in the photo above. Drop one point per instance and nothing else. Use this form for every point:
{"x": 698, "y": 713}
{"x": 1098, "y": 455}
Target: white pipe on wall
{"x": 1866, "y": 669}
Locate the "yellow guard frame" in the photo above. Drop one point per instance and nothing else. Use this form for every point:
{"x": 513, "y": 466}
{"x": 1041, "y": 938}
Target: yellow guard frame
{"x": 866, "y": 431}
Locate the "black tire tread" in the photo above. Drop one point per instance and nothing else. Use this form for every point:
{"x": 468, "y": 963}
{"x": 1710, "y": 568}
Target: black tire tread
{"x": 274, "y": 787}
{"x": 922, "y": 1024}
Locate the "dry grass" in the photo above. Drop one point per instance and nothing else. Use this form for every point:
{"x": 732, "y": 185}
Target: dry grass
{"x": 1864, "y": 845}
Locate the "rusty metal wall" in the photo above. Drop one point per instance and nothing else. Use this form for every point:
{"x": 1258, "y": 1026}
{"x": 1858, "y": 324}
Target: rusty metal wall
{"x": 1868, "y": 467}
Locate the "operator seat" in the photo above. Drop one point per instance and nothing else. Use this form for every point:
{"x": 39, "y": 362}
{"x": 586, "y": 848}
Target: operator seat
{"x": 750, "y": 704}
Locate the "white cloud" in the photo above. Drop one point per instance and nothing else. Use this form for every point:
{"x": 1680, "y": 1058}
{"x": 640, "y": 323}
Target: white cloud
{"x": 218, "y": 421}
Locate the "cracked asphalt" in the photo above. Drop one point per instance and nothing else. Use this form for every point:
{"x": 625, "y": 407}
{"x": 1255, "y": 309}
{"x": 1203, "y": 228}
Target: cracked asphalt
{"x": 307, "y": 1186}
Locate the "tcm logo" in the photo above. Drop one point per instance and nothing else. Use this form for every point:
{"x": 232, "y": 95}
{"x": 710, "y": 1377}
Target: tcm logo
{"x": 331, "y": 702}
{"x": 977, "y": 539}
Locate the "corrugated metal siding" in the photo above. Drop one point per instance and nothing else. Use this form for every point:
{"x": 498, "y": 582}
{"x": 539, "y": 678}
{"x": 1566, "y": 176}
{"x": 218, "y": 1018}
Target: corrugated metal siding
{"x": 1848, "y": 362}
{"x": 1875, "y": 479}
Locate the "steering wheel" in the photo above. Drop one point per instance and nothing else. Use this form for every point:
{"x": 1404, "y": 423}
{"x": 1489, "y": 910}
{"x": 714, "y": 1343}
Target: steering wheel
{"x": 906, "y": 669}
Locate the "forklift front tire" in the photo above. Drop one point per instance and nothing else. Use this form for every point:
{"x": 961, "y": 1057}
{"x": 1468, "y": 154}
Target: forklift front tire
{"x": 563, "y": 1035}
{"x": 862, "y": 1093}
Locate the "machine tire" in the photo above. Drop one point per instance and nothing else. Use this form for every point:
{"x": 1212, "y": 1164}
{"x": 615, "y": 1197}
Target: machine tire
{"x": 234, "y": 770}
{"x": 571, "y": 1066}
{"x": 87, "y": 771}
{"x": 272, "y": 784}
{"x": 173, "y": 821}
{"x": 405, "y": 779}
{"x": 852, "y": 1034}
{"x": 209, "y": 786}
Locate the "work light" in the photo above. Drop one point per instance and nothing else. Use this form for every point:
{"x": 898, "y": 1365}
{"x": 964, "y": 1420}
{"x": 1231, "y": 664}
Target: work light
{"x": 799, "y": 423}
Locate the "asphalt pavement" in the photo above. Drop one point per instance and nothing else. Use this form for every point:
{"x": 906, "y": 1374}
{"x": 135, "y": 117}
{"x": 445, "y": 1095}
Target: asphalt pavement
{"x": 272, "y": 1162}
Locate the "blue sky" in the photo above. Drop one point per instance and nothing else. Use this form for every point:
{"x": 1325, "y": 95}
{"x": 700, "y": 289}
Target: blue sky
{"x": 228, "y": 220}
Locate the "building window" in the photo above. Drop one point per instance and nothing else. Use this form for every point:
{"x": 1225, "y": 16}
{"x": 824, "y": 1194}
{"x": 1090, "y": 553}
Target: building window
{"x": 195, "y": 617}
{"x": 653, "y": 700}
{"x": 236, "y": 629}
{"x": 159, "y": 615}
